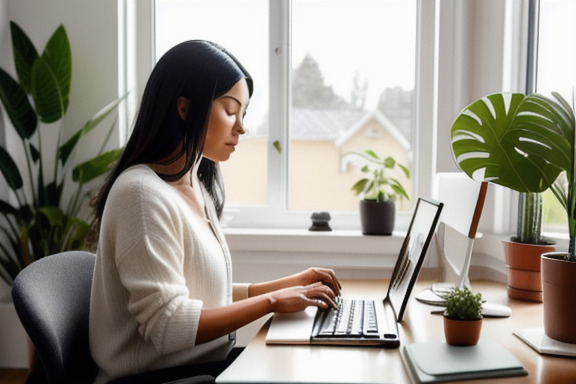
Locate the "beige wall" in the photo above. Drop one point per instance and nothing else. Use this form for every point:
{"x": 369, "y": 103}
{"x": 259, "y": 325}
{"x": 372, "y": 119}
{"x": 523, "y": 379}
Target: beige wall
{"x": 245, "y": 174}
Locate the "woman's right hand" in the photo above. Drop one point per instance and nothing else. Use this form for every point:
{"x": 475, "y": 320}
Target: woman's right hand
{"x": 218, "y": 321}
{"x": 298, "y": 298}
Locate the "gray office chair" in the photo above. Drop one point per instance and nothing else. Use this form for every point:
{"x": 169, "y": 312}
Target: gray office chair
{"x": 52, "y": 300}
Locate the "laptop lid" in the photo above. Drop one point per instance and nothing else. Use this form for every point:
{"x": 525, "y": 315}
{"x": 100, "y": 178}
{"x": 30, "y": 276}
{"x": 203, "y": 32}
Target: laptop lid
{"x": 412, "y": 253}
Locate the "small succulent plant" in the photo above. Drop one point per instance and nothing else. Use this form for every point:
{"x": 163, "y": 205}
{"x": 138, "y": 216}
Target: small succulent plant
{"x": 463, "y": 304}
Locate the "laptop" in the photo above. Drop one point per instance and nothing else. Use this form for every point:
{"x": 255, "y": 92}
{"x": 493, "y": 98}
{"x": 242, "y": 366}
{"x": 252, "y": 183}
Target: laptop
{"x": 375, "y": 320}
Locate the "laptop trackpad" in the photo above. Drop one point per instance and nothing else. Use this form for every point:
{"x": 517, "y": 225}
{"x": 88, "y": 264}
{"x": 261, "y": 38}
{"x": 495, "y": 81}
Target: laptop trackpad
{"x": 291, "y": 328}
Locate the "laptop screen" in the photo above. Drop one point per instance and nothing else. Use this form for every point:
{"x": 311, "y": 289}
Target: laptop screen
{"x": 411, "y": 256}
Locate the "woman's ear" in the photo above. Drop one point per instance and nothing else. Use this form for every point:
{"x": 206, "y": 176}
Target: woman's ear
{"x": 182, "y": 105}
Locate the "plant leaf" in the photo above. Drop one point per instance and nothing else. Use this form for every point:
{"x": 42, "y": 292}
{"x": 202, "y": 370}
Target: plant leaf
{"x": 405, "y": 170}
{"x": 51, "y": 194}
{"x": 10, "y": 170}
{"x": 359, "y": 186}
{"x": 46, "y": 92}
{"x": 54, "y": 215}
{"x": 485, "y": 143}
{"x": 96, "y": 167}
{"x": 51, "y": 77}
{"x": 546, "y": 130}
{"x": 58, "y": 55}
{"x": 10, "y": 265}
{"x": 17, "y": 106}
{"x": 24, "y": 55}
{"x": 372, "y": 154}
{"x": 75, "y": 233}
{"x": 7, "y": 209}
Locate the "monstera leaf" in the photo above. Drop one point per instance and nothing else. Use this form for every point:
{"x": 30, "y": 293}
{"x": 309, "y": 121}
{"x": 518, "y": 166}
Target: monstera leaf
{"x": 511, "y": 140}
{"x": 521, "y": 142}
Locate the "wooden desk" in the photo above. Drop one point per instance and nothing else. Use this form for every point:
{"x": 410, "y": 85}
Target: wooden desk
{"x": 260, "y": 363}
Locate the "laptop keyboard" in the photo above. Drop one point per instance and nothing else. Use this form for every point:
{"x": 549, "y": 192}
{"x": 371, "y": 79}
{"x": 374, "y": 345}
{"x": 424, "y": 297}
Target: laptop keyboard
{"x": 354, "y": 318}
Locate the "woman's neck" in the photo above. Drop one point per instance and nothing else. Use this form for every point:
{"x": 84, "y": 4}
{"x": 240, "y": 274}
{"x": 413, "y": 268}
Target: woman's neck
{"x": 188, "y": 185}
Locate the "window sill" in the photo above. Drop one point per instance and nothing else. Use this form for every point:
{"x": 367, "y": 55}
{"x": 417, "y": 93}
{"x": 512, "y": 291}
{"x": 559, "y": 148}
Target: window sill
{"x": 299, "y": 240}
{"x": 264, "y": 254}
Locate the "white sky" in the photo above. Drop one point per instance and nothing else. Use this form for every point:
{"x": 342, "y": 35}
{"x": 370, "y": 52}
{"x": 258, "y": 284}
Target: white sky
{"x": 355, "y": 35}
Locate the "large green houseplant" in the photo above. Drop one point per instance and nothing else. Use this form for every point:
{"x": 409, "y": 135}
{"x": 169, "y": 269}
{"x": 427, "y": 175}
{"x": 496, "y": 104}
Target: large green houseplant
{"x": 379, "y": 187}
{"x": 37, "y": 220}
{"x": 527, "y": 143}
{"x": 495, "y": 153}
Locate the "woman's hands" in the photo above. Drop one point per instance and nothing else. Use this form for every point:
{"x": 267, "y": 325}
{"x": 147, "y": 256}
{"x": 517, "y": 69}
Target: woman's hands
{"x": 322, "y": 275}
{"x": 294, "y": 299}
{"x": 314, "y": 286}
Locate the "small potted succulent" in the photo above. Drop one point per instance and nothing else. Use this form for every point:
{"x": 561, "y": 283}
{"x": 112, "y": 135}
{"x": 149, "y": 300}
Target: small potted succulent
{"x": 380, "y": 187}
{"x": 463, "y": 316}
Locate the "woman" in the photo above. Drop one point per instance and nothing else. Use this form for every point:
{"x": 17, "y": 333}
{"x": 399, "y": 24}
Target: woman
{"x": 162, "y": 294}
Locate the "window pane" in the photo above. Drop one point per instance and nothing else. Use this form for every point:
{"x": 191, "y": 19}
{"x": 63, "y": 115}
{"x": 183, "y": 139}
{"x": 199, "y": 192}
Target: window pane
{"x": 353, "y": 75}
{"x": 556, "y": 72}
{"x": 241, "y": 26}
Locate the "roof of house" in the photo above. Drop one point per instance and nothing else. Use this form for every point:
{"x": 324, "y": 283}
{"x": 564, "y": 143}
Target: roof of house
{"x": 312, "y": 124}
{"x": 338, "y": 125}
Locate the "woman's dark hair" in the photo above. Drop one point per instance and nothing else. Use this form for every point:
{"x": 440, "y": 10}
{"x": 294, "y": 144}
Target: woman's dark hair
{"x": 199, "y": 71}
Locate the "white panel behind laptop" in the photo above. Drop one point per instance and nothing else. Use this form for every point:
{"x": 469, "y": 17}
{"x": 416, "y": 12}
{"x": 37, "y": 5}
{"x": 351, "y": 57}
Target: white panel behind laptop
{"x": 459, "y": 194}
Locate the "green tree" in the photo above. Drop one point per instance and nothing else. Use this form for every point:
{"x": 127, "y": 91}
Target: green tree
{"x": 309, "y": 89}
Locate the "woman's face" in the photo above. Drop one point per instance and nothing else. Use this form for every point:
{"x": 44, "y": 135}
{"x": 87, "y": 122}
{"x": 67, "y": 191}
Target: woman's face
{"x": 226, "y": 122}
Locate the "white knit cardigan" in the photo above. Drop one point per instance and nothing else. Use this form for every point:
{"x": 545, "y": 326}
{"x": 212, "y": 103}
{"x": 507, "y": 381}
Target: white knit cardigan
{"x": 157, "y": 265}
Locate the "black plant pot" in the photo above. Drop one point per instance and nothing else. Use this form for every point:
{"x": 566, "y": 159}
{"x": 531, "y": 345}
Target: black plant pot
{"x": 377, "y": 217}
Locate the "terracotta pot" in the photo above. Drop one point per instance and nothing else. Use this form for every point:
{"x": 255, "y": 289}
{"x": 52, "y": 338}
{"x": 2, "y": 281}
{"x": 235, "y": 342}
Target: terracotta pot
{"x": 523, "y": 269}
{"x": 377, "y": 217}
{"x": 462, "y": 332}
{"x": 559, "y": 285}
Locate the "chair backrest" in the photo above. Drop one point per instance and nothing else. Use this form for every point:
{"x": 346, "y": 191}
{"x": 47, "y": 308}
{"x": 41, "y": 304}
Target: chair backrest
{"x": 52, "y": 300}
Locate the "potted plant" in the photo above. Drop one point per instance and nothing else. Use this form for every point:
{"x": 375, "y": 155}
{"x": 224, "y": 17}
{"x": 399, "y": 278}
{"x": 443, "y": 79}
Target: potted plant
{"x": 463, "y": 316}
{"x": 522, "y": 252}
{"x": 38, "y": 220}
{"x": 484, "y": 143}
{"x": 537, "y": 134}
{"x": 379, "y": 187}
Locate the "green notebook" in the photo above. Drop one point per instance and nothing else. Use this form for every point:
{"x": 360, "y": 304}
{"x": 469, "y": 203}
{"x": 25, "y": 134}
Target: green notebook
{"x": 436, "y": 362}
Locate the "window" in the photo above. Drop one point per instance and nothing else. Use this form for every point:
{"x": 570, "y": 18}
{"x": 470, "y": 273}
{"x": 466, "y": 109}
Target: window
{"x": 326, "y": 83}
{"x": 556, "y": 72}
{"x": 243, "y": 30}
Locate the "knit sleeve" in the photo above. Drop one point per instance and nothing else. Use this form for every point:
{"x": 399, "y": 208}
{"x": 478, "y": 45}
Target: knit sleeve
{"x": 149, "y": 257}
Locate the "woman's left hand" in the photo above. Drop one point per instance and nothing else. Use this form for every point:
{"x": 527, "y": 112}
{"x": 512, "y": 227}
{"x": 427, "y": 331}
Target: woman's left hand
{"x": 323, "y": 275}
{"x": 305, "y": 278}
